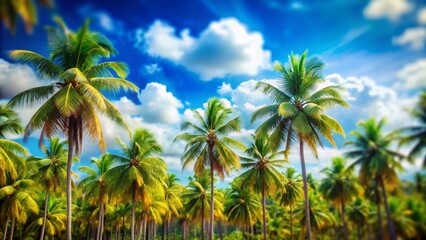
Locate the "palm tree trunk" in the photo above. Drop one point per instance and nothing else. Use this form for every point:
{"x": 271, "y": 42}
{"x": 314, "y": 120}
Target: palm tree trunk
{"x": 388, "y": 214}
{"x": 264, "y": 208}
{"x": 140, "y": 228}
{"x": 211, "y": 228}
{"x": 164, "y": 229}
{"x": 345, "y": 227}
{"x": 46, "y": 200}
{"x": 154, "y": 230}
{"x": 219, "y": 229}
{"x": 132, "y": 227}
{"x": 69, "y": 165}
{"x": 305, "y": 191}
{"x": 12, "y": 228}
{"x": 184, "y": 229}
{"x": 359, "y": 231}
{"x": 291, "y": 221}
{"x": 202, "y": 219}
{"x": 145, "y": 222}
{"x": 98, "y": 232}
{"x": 5, "y": 228}
{"x": 379, "y": 213}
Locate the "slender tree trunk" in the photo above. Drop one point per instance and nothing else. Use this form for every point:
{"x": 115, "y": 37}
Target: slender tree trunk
{"x": 145, "y": 222}
{"x": 211, "y": 228}
{"x": 263, "y": 208}
{"x": 219, "y": 229}
{"x": 154, "y": 230}
{"x": 132, "y": 227}
{"x": 305, "y": 191}
{"x": 98, "y": 232}
{"x": 140, "y": 228}
{"x": 388, "y": 214}
{"x": 5, "y": 228}
{"x": 46, "y": 201}
{"x": 379, "y": 213}
{"x": 88, "y": 230}
{"x": 164, "y": 229}
{"x": 202, "y": 219}
{"x": 69, "y": 186}
{"x": 345, "y": 227}
{"x": 12, "y": 228}
{"x": 184, "y": 230}
{"x": 291, "y": 221}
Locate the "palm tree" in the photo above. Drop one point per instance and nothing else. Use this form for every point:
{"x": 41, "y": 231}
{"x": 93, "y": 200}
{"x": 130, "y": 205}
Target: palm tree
{"x": 262, "y": 175}
{"x": 371, "y": 150}
{"x": 208, "y": 147}
{"x": 358, "y": 214}
{"x": 242, "y": 207}
{"x": 405, "y": 227}
{"x": 94, "y": 186}
{"x": 172, "y": 193}
{"x": 11, "y": 153}
{"x": 140, "y": 169}
{"x": 297, "y": 112}
{"x": 417, "y": 133}
{"x": 339, "y": 186}
{"x": 18, "y": 198}
{"x": 291, "y": 192}
{"x": 10, "y": 9}
{"x": 71, "y": 105}
{"x": 318, "y": 212}
{"x": 55, "y": 220}
{"x": 50, "y": 171}
{"x": 196, "y": 198}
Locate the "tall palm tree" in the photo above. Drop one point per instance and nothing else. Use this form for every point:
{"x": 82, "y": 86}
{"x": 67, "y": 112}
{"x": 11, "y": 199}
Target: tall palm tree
{"x": 371, "y": 150}
{"x": 11, "y": 153}
{"x": 416, "y": 133}
{"x": 291, "y": 192}
{"x": 208, "y": 147}
{"x": 140, "y": 169}
{"x": 172, "y": 193}
{"x": 262, "y": 174}
{"x": 242, "y": 207}
{"x": 71, "y": 105}
{"x": 298, "y": 110}
{"x": 405, "y": 227}
{"x": 339, "y": 186}
{"x": 196, "y": 198}
{"x": 94, "y": 186}
{"x": 50, "y": 171}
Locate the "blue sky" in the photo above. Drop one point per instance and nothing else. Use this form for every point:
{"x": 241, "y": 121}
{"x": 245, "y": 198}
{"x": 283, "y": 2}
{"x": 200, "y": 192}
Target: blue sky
{"x": 181, "y": 53}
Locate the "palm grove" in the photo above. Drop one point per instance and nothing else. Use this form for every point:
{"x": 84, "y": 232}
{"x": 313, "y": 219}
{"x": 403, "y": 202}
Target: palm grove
{"x": 130, "y": 195}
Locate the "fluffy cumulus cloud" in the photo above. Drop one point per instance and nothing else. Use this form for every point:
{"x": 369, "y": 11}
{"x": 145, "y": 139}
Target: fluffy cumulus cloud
{"x": 224, "y": 89}
{"x": 159, "y": 106}
{"x": 15, "y": 78}
{"x": 414, "y": 74}
{"x": 415, "y": 38}
{"x": 390, "y": 9}
{"x": 225, "y": 47}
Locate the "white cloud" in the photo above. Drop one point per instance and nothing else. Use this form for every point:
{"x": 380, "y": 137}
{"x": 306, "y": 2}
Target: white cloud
{"x": 15, "y": 78}
{"x": 390, "y": 9}
{"x": 159, "y": 106}
{"x": 224, "y": 89}
{"x": 413, "y": 37}
{"x": 152, "y": 68}
{"x": 102, "y": 18}
{"x": 246, "y": 93}
{"x": 414, "y": 74}
{"x": 160, "y": 41}
{"x": 421, "y": 16}
{"x": 225, "y": 47}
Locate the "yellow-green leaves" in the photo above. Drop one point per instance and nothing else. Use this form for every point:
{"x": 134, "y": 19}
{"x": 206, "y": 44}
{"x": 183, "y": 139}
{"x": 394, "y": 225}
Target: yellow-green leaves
{"x": 287, "y": 110}
{"x": 68, "y": 101}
